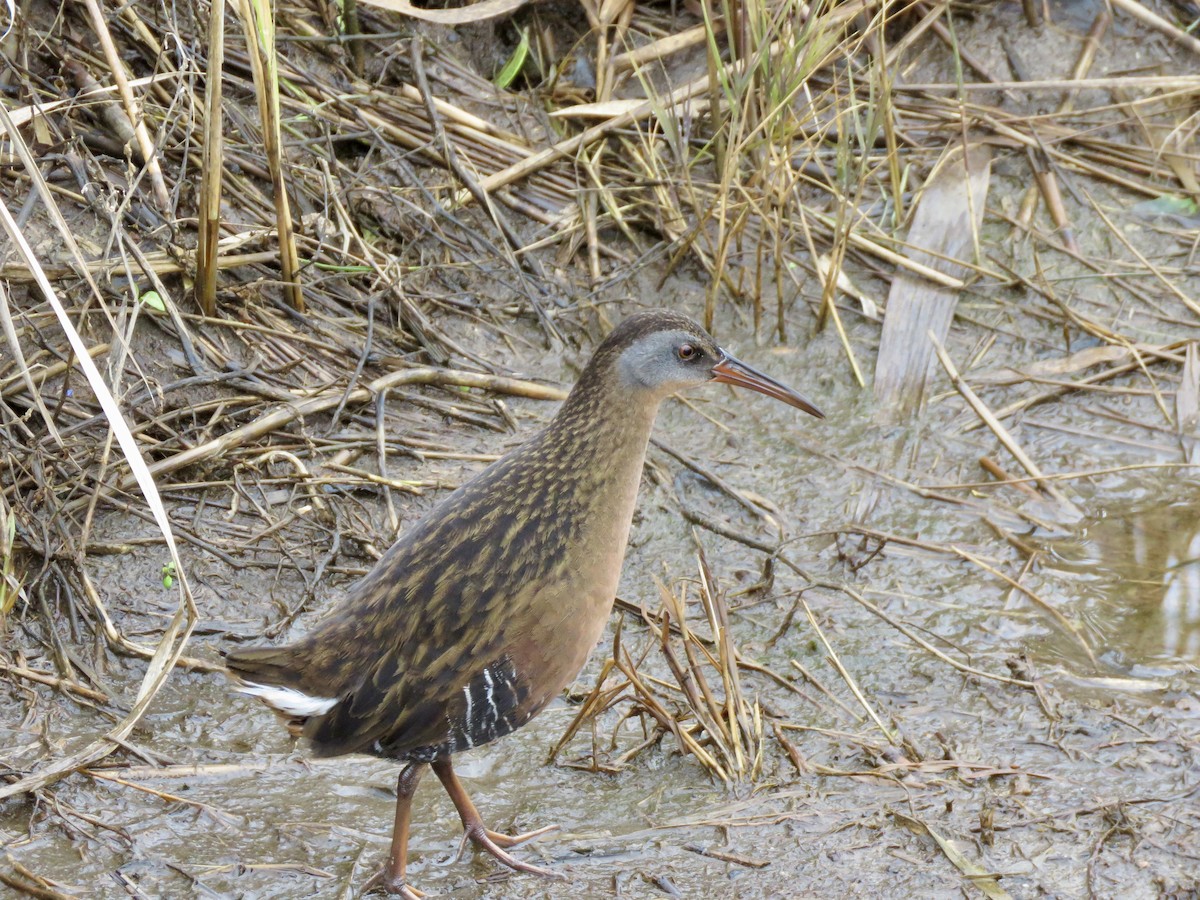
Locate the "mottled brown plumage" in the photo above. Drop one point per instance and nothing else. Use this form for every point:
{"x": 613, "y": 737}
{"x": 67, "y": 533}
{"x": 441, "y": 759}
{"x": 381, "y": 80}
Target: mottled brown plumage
{"x": 478, "y": 616}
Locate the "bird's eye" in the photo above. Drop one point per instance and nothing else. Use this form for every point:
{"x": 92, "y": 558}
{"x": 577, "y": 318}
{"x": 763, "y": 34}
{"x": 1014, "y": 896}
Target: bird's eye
{"x": 687, "y": 352}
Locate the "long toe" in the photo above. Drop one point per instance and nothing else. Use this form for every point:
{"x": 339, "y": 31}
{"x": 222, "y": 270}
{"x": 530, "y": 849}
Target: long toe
{"x": 486, "y": 840}
{"x": 383, "y": 883}
{"x": 515, "y": 840}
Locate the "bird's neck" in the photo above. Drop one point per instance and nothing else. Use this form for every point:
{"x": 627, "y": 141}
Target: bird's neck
{"x": 605, "y": 427}
{"x": 599, "y": 437}
{"x": 598, "y": 444}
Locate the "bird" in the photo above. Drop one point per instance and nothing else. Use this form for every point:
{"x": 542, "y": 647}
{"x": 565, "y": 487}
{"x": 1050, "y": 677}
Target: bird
{"x": 480, "y": 614}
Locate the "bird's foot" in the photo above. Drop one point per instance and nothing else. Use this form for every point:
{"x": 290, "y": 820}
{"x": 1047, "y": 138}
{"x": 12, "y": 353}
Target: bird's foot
{"x": 515, "y": 840}
{"x": 494, "y": 843}
{"x": 396, "y": 886}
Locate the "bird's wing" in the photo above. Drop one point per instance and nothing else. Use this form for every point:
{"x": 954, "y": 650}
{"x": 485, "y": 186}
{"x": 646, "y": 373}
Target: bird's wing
{"x": 435, "y": 611}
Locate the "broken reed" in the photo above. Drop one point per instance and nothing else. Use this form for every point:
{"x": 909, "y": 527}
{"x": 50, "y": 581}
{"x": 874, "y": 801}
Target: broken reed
{"x": 705, "y": 708}
{"x": 10, "y": 583}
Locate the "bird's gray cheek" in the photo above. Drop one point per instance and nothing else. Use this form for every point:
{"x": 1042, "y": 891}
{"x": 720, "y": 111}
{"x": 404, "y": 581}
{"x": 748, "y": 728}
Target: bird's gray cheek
{"x": 632, "y": 374}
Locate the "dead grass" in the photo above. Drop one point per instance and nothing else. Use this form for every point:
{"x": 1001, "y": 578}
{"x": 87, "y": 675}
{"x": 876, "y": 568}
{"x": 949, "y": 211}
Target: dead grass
{"x": 255, "y": 269}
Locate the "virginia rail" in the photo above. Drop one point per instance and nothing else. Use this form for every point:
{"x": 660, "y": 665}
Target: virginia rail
{"x": 479, "y": 615}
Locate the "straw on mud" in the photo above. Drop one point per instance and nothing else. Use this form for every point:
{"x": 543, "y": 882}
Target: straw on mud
{"x": 1179, "y": 294}
{"x": 1157, "y": 22}
{"x": 280, "y": 417}
{"x": 976, "y": 876}
{"x": 840, "y": 176}
{"x": 1087, "y": 54}
{"x": 862, "y": 601}
{"x": 993, "y": 468}
{"x": 1047, "y": 183}
{"x": 1037, "y": 599}
{"x": 145, "y": 144}
{"x": 718, "y": 482}
{"x": 30, "y": 884}
{"x": 224, "y": 818}
{"x": 658, "y": 50}
{"x": 175, "y": 636}
{"x": 1166, "y": 352}
{"x": 62, "y": 684}
{"x": 1002, "y": 433}
{"x": 703, "y": 704}
{"x": 836, "y": 662}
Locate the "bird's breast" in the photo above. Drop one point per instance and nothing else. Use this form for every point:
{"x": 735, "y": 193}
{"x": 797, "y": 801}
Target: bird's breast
{"x": 570, "y": 608}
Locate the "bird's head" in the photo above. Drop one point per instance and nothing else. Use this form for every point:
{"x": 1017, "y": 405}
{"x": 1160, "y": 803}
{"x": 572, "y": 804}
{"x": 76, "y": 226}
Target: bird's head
{"x": 663, "y": 352}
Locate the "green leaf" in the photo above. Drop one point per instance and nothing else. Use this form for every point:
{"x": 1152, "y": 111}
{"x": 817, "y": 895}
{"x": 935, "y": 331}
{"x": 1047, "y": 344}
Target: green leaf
{"x": 154, "y": 301}
{"x": 515, "y": 63}
{"x": 1167, "y": 205}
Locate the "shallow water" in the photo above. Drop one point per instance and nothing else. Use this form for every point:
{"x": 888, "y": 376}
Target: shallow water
{"x": 1142, "y": 563}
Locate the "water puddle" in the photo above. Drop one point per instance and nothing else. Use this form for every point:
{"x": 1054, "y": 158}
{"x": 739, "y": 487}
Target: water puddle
{"x": 1142, "y": 567}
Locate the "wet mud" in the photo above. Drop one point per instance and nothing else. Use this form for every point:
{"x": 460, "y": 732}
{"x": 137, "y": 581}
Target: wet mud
{"x": 1050, "y": 747}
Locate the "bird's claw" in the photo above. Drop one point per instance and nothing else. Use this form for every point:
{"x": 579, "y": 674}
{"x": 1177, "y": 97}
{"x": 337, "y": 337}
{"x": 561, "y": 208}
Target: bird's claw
{"x": 515, "y": 840}
{"x": 493, "y": 843}
{"x": 395, "y": 886}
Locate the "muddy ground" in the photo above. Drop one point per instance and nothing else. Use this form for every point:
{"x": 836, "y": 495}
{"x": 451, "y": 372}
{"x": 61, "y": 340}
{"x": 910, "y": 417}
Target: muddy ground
{"x": 1086, "y": 783}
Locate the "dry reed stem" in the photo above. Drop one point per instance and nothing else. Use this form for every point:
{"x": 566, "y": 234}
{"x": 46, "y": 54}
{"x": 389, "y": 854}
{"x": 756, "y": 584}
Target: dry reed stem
{"x": 212, "y": 166}
{"x": 1002, "y": 433}
{"x": 1158, "y": 23}
{"x": 945, "y": 226}
{"x": 1038, "y": 600}
{"x": 1047, "y": 184}
{"x": 30, "y": 884}
{"x": 1087, "y": 55}
{"x": 62, "y": 684}
{"x": 258, "y": 25}
{"x": 836, "y": 662}
{"x": 145, "y": 144}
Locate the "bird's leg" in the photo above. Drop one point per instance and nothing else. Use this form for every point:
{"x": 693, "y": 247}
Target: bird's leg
{"x": 392, "y": 876}
{"x": 490, "y": 841}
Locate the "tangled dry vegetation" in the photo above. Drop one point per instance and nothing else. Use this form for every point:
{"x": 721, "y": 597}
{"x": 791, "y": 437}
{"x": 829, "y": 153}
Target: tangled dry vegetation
{"x": 292, "y": 276}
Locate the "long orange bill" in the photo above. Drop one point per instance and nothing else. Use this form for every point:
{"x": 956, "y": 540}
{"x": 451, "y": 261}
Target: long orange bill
{"x": 731, "y": 370}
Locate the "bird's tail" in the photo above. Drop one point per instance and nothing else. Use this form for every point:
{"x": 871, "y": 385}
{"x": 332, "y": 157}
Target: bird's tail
{"x": 271, "y": 675}
{"x": 269, "y": 665}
